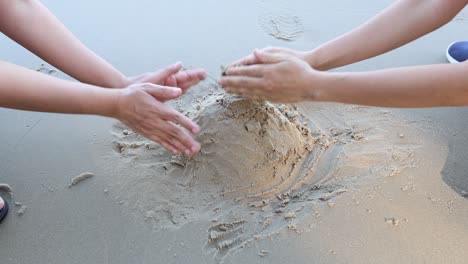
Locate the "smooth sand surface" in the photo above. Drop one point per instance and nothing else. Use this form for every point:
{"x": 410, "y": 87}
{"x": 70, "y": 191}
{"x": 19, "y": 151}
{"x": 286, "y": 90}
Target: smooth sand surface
{"x": 312, "y": 183}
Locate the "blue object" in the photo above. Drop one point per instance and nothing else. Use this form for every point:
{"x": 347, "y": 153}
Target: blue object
{"x": 457, "y": 52}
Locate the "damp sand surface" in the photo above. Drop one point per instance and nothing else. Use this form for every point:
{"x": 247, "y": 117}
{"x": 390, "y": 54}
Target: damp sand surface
{"x": 340, "y": 180}
{"x": 268, "y": 169}
{"x": 318, "y": 183}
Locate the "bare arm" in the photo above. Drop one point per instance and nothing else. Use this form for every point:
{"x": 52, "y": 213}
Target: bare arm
{"x": 25, "y": 89}
{"x": 31, "y": 24}
{"x": 421, "y": 86}
{"x": 399, "y": 24}
{"x": 283, "y": 75}
{"x": 139, "y": 106}
{"x": 289, "y": 79}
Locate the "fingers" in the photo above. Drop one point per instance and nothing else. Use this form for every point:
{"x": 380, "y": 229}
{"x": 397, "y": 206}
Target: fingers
{"x": 171, "y": 81}
{"x": 175, "y": 145}
{"x": 273, "y": 49}
{"x": 171, "y": 136}
{"x": 252, "y": 59}
{"x": 172, "y": 115}
{"x": 182, "y": 140}
{"x": 248, "y": 60}
{"x": 249, "y": 70}
{"x": 163, "y": 74}
{"x": 190, "y": 75}
{"x": 238, "y": 83}
{"x": 200, "y": 73}
{"x": 162, "y": 93}
{"x": 268, "y": 57}
{"x": 182, "y": 77}
{"x": 248, "y": 87}
{"x": 188, "y": 78}
{"x": 168, "y": 146}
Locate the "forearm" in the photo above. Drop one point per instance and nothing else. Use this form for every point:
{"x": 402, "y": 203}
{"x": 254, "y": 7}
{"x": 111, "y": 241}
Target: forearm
{"x": 401, "y": 23}
{"x": 422, "y": 86}
{"x": 30, "y": 24}
{"x": 26, "y": 89}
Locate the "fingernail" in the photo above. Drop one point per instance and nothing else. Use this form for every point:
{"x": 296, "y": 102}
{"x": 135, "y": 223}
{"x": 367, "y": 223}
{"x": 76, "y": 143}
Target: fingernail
{"x": 187, "y": 152}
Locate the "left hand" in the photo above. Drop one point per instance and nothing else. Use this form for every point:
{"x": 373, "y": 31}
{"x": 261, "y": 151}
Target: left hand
{"x": 172, "y": 76}
{"x": 276, "y": 78}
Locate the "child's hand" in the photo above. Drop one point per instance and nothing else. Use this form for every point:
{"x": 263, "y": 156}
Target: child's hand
{"x": 275, "y": 77}
{"x": 173, "y": 76}
{"x": 140, "y": 107}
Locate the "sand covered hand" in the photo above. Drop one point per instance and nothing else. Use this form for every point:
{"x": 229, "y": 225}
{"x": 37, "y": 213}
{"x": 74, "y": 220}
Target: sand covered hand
{"x": 172, "y": 75}
{"x": 274, "y": 77}
{"x": 141, "y": 107}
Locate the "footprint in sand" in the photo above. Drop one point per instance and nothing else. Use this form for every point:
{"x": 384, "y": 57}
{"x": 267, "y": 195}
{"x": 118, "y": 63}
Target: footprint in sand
{"x": 286, "y": 27}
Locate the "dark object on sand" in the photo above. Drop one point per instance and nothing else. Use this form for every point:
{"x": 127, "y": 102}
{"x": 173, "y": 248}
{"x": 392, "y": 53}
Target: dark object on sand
{"x": 223, "y": 70}
{"x": 4, "y": 210}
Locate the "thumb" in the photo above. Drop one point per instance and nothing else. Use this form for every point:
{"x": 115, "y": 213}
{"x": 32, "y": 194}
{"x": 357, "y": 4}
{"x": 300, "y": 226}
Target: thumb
{"x": 164, "y": 73}
{"x": 265, "y": 57}
{"x": 162, "y": 93}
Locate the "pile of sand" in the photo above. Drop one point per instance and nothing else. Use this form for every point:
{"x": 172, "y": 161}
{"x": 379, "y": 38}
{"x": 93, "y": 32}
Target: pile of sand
{"x": 250, "y": 151}
{"x": 249, "y": 148}
{"x": 262, "y": 168}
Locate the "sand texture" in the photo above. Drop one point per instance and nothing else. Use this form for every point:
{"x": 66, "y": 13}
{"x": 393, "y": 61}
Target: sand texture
{"x": 262, "y": 168}
{"x": 305, "y": 183}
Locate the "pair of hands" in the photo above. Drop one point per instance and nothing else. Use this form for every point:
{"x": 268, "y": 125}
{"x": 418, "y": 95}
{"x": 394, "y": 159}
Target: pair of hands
{"x": 141, "y": 106}
{"x": 275, "y": 74}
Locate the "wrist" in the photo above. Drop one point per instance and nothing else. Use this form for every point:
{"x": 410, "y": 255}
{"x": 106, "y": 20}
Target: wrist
{"x": 313, "y": 58}
{"x": 309, "y": 57}
{"x": 113, "y": 100}
{"x": 120, "y": 81}
{"x": 324, "y": 85}
{"x": 103, "y": 102}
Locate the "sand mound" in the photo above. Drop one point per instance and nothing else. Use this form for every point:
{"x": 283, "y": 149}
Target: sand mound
{"x": 251, "y": 151}
{"x": 248, "y": 148}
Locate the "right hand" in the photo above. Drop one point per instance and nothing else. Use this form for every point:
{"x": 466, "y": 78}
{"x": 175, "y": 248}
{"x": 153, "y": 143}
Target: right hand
{"x": 137, "y": 107}
{"x": 276, "y": 78}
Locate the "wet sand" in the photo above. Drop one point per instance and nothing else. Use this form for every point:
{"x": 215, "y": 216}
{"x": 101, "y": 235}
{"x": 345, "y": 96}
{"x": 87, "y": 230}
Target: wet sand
{"x": 388, "y": 186}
